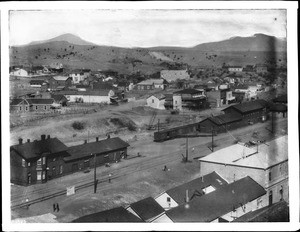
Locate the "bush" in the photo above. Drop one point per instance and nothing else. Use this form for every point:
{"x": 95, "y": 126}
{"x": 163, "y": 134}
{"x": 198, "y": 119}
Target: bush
{"x": 78, "y": 125}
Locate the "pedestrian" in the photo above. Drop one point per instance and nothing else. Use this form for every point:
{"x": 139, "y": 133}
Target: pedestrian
{"x": 165, "y": 168}
{"x": 109, "y": 180}
{"x": 57, "y": 207}
{"x": 27, "y": 205}
{"x": 54, "y": 207}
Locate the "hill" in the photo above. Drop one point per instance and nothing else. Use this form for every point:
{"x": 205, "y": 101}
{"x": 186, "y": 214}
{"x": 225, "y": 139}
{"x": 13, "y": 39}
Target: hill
{"x": 70, "y": 38}
{"x": 257, "y": 42}
{"x": 235, "y": 51}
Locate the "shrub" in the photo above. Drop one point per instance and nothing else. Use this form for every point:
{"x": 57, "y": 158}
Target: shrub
{"x": 78, "y": 125}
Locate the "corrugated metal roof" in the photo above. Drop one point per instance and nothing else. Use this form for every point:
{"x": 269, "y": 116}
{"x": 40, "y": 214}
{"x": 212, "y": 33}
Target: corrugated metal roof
{"x": 118, "y": 214}
{"x": 100, "y": 147}
{"x": 195, "y": 187}
{"x": 217, "y": 203}
{"x": 36, "y": 148}
{"x": 147, "y": 208}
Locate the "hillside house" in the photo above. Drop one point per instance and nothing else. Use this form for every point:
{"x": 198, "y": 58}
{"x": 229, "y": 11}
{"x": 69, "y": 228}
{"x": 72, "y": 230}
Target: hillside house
{"x": 22, "y": 72}
{"x": 79, "y": 75}
{"x": 266, "y": 164}
{"x": 31, "y": 105}
{"x": 190, "y": 99}
{"x": 173, "y": 75}
{"x": 221, "y": 205}
{"x": 59, "y": 82}
{"x": 33, "y": 161}
{"x": 36, "y": 83}
{"x": 56, "y": 67}
{"x": 156, "y": 101}
{"x": 89, "y": 96}
{"x": 151, "y": 84}
{"x": 235, "y": 69}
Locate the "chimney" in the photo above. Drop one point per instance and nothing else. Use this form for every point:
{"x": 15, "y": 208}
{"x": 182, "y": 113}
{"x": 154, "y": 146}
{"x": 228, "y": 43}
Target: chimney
{"x": 48, "y": 137}
{"x": 85, "y": 141}
{"x": 97, "y": 139}
{"x": 20, "y": 141}
{"x": 43, "y": 137}
{"x": 28, "y": 140}
{"x": 187, "y": 196}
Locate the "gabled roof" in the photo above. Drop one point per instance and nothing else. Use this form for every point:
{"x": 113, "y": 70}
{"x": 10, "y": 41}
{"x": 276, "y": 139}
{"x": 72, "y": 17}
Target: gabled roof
{"x": 281, "y": 99}
{"x": 188, "y": 91}
{"x": 217, "y": 203}
{"x": 151, "y": 82}
{"x": 17, "y": 101}
{"x": 36, "y": 81}
{"x": 195, "y": 187}
{"x": 118, "y": 214}
{"x": 100, "y": 147}
{"x": 40, "y": 101}
{"x": 224, "y": 118}
{"x": 59, "y": 97}
{"x": 147, "y": 208}
{"x": 102, "y": 92}
{"x": 249, "y": 106}
{"x": 36, "y": 148}
{"x": 159, "y": 96}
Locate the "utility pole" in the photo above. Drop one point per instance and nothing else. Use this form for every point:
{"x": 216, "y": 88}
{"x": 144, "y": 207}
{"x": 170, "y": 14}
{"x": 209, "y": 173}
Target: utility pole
{"x": 272, "y": 122}
{"x": 158, "y": 125}
{"x": 187, "y": 149}
{"x": 212, "y": 139}
{"x": 95, "y": 180}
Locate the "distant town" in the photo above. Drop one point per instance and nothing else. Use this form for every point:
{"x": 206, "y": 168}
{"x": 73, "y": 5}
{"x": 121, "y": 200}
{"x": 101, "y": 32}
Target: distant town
{"x": 158, "y": 137}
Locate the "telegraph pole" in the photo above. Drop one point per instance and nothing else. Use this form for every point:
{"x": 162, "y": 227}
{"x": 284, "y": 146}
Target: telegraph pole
{"x": 158, "y": 125}
{"x": 187, "y": 149}
{"x": 272, "y": 122}
{"x": 95, "y": 180}
{"x": 212, "y": 139}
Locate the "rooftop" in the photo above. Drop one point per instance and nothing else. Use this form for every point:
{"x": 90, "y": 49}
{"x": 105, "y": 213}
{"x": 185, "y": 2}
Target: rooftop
{"x": 147, "y": 208}
{"x": 159, "y": 96}
{"x": 40, "y": 101}
{"x": 151, "y": 82}
{"x": 36, "y": 148}
{"x": 217, "y": 203}
{"x": 100, "y": 147}
{"x": 281, "y": 99}
{"x": 188, "y": 91}
{"x": 195, "y": 187}
{"x": 118, "y": 214}
{"x": 276, "y": 151}
{"x": 249, "y": 106}
{"x": 224, "y": 118}
{"x": 102, "y": 92}
{"x": 61, "y": 78}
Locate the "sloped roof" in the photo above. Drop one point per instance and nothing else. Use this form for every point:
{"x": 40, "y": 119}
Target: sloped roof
{"x": 275, "y": 152}
{"x": 147, "y": 208}
{"x": 195, "y": 187}
{"x": 151, "y": 82}
{"x": 280, "y": 99}
{"x": 118, "y": 214}
{"x": 102, "y": 92}
{"x": 217, "y": 203}
{"x": 188, "y": 91}
{"x": 17, "y": 101}
{"x": 36, "y": 81}
{"x": 224, "y": 118}
{"x": 100, "y": 147}
{"x": 58, "y": 97}
{"x": 159, "y": 96}
{"x": 36, "y": 148}
{"x": 61, "y": 78}
{"x": 278, "y": 107}
{"x": 249, "y": 106}
{"x": 40, "y": 101}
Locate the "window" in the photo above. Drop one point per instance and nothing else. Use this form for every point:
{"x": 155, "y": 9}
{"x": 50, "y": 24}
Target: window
{"x": 281, "y": 193}
{"x": 152, "y": 100}
{"x": 45, "y": 107}
{"x": 23, "y": 163}
{"x": 270, "y": 175}
{"x": 28, "y": 164}
{"x": 26, "y": 108}
{"x": 29, "y": 178}
{"x": 44, "y": 160}
{"x": 38, "y": 175}
{"x": 39, "y": 162}
{"x": 20, "y": 107}
{"x": 60, "y": 169}
{"x": 43, "y": 175}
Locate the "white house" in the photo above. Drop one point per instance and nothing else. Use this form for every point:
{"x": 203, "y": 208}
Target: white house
{"x": 156, "y": 101}
{"x": 235, "y": 68}
{"x": 102, "y": 96}
{"x": 20, "y": 73}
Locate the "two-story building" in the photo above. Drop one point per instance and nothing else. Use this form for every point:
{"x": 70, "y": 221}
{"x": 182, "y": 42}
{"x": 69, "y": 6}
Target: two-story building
{"x": 59, "y": 82}
{"x": 31, "y": 162}
{"x": 151, "y": 84}
{"x": 267, "y": 164}
{"x": 156, "y": 101}
{"x": 190, "y": 99}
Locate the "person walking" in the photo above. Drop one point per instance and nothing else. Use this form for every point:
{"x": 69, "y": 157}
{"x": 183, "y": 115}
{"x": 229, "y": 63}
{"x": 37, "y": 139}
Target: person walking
{"x": 57, "y": 207}
{"x": 54, "y": 207}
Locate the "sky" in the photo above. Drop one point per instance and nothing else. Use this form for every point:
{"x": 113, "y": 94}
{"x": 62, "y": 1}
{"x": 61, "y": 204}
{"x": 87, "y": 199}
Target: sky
{"x": 144, "y": 28}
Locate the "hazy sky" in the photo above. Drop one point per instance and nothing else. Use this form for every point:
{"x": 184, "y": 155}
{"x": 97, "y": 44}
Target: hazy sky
{"x": 145, "y": 28}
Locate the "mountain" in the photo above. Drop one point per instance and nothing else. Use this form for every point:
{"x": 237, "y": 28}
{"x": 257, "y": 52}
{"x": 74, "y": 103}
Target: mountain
{"x": 70, "y": 38}
{"x": 257, "y": 42}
